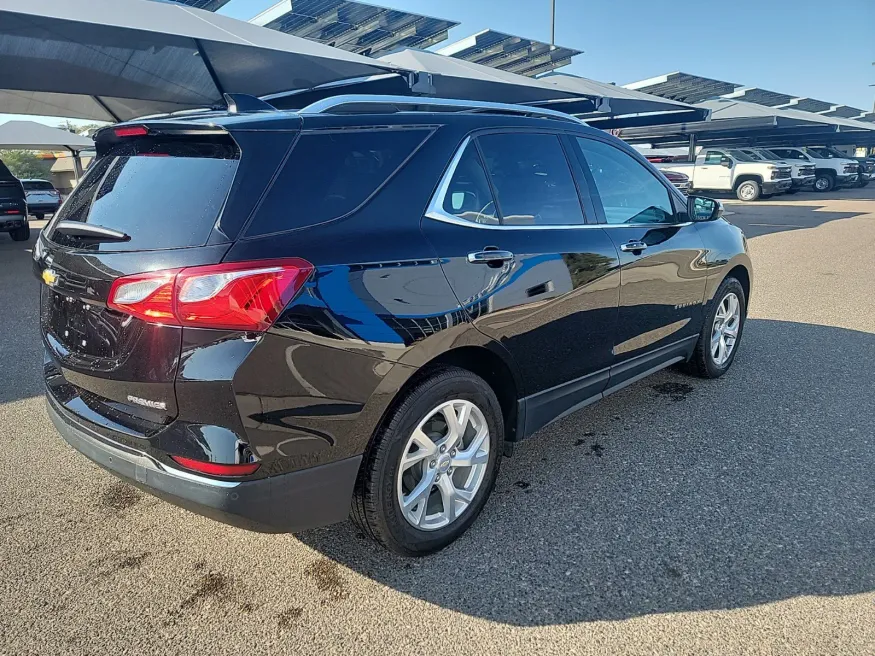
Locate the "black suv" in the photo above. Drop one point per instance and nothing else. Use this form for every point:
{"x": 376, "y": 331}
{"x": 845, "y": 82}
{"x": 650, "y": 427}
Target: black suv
{"x": 13, "y": 206}
{"x": 279, "y": 318}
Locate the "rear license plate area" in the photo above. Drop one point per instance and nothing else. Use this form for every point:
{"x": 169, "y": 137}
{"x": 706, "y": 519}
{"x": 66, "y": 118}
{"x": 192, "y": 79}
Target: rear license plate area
{"x": 80, "y": 327}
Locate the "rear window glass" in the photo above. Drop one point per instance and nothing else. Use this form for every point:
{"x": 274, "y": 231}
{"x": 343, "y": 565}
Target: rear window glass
{"x": 10, "y": 190}
{"x": 5, "y": 173}
{"x": 163, "y": 194}
{"x": 328, "y": 175}
{"x": 37, "y": 185}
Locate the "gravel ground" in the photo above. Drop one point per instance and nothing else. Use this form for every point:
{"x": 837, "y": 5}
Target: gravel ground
{"x": 679, "y": 516}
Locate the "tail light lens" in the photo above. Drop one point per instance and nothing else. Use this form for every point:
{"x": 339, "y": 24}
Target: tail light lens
{"x": 215, "y": 468}
{"x": 236, "y": 295}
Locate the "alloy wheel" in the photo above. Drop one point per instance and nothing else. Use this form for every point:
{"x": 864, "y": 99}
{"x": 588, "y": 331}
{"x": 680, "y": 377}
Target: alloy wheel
{"x": 821, "y": 184}
{"x": 443, "y": 465}
{"x": 724, "y": 332}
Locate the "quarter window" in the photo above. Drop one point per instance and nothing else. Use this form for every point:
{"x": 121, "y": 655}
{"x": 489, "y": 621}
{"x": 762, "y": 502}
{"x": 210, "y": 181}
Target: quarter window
{"x": 468, "y": 195}
{"x": 328, "y": 175}
{"x": 628, "y": 191}
{"x": 531, "y": 178}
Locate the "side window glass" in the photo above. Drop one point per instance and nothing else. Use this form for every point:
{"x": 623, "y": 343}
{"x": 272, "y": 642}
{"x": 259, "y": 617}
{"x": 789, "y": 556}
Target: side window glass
{"x": 468, "y": 195}
{"x": 629, "y": 192}
{"x": 532, "y": 179}
{"x": 713, "y": 157}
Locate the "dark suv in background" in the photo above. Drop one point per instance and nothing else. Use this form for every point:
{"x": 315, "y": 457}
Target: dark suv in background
{"x": 275, "y": 318}
{"x": 13, "y": 206}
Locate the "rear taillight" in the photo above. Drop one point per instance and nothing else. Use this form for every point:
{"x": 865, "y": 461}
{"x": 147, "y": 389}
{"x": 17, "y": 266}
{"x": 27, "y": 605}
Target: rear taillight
{"x": 236, "y": 295}
{"x": 13, "y": 211}
{"x": 215, "y": 468}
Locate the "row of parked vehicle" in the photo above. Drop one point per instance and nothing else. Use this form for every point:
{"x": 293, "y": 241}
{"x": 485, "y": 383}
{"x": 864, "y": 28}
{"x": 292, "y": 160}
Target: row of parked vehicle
{"x": 21, "y": 198}
{"x": 753, "y": 173}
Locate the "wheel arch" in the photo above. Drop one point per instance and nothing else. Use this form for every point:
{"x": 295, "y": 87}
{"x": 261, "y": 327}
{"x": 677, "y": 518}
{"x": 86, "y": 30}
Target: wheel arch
{"x": 746, "y": 178}
{"x": 496, "y": 369}
{"x": 742, "y": 274}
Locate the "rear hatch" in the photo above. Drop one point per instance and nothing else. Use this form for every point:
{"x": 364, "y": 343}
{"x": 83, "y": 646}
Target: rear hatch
{"x": 165, "y": 192}
{"x": 40, "y": 192}
{"x": 11, "y": 194}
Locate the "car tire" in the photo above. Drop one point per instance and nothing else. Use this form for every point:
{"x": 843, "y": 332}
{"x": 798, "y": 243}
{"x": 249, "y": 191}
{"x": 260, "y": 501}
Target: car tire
{"x": 824, "y": 182}
{"x": 749, "y": 190}
{"x": 383, "y": 481}
{"x": 39, "y": 216}
{"x": 862, "y": 184}
{"x": 20, "y": 234}
{"x": 703, "y": 362}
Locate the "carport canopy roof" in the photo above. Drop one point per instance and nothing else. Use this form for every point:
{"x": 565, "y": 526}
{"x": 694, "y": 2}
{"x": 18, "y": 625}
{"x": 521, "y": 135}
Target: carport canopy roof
{"x": 115, "y": 60}
{"x": 30, "y": 135}
{"x": 735, "y": 122}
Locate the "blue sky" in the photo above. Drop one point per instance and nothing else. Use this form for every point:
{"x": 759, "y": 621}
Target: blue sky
{"x": 801, "y": 47}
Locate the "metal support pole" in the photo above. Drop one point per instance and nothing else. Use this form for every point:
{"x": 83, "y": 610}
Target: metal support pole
{"x": 77, "y": 167}
{"x": 553, "y": 23}
{"x": 692, "y": 152}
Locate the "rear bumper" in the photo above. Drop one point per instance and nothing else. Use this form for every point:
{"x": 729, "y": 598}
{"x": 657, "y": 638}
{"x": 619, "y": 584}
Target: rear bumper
{"x": 285, "y": 503}
{"x": 12, "y": 222}
{"x": 49, "y": 208}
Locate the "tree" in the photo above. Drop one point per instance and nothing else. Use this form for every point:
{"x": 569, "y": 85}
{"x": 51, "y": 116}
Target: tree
{"x": 87, "y": 129}
{"x": 26, "y": 164}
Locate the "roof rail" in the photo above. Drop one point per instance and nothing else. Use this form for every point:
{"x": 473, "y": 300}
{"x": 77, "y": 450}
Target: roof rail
{"x": 353, "y": 103}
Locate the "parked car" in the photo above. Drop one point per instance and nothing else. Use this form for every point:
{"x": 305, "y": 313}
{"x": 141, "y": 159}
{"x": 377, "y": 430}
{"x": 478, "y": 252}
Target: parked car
{"x": 325, "y": 310}
{"x": 13, "y": 207}
{"x": 734, "y": 170}
{"x": 42, "y": 197}
{"x": 833, "y": 169}
{"x": 867, "y": 170}
{"x": 679, "y": 180}
{"x": 802, "y": 173}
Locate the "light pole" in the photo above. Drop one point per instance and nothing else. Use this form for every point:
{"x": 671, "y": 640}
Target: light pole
{"x": 552, "y": 23}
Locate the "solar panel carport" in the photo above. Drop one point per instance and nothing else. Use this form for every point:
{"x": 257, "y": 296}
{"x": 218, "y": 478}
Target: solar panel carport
{"x": 737, "y": 123}
{"x": 111, "y": 60}
{"x": 355, "y": 26}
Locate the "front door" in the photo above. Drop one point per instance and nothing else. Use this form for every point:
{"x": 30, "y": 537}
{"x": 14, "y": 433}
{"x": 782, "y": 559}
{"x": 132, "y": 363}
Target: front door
{"x": 508, "y": 225}
{"x": 712, "y": 171}
{"x": 662, "y": 275}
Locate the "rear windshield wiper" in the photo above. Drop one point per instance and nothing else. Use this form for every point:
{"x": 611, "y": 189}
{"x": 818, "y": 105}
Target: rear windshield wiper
{"x": 90, "y": 232}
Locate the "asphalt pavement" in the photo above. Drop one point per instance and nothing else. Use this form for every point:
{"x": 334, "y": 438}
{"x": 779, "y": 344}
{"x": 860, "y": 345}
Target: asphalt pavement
{"x": 678, "y": 516}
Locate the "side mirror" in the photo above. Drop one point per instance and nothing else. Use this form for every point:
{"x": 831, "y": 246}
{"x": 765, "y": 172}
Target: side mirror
{"x": 700, "y": 208}
{"x": 726, "y": 161}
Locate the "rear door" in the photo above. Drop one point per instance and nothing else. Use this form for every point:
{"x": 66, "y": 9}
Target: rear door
{"x": 509, "y": 225}
{"x": 166, "y": 195}
{"x": 662, "y": 276}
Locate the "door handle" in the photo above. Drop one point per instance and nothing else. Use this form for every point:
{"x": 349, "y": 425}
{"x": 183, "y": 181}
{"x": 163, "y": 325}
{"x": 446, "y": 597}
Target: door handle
{"x": 633, "y": 246}
{"x": 490, "y": 256}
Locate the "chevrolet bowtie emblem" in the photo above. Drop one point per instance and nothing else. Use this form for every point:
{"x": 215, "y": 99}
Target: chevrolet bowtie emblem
{"x": 50, "y": 277}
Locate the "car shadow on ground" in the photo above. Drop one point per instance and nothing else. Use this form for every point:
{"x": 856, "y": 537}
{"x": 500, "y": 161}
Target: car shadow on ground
{"x": 757, "y": 219}
{"x": 674, "y": 495}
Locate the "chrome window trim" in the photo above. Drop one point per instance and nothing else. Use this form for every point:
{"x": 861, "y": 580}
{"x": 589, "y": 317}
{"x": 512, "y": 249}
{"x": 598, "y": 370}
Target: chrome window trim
{"x": 435, "y": 210}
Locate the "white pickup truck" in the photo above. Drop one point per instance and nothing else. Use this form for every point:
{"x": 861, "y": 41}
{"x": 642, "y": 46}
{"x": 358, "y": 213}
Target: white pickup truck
{"x": 721, "y": 169}
{"x": 831, "y": 168}
{"x": 802, "y": 173}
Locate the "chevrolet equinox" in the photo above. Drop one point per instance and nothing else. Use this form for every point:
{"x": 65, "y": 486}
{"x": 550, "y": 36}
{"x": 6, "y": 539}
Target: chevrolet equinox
{"x": 279, "y": 319}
